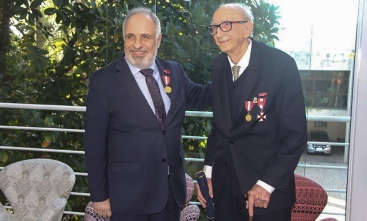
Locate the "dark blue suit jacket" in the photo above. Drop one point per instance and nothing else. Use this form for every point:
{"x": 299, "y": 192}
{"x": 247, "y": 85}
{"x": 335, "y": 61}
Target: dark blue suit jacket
{"x": 267, "y": 150}
{"x": 127, "y": 152}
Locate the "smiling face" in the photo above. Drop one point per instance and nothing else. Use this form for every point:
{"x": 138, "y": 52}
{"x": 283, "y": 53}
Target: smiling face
{"x": 141, "y": 40}
{"x": 234, "y": 42}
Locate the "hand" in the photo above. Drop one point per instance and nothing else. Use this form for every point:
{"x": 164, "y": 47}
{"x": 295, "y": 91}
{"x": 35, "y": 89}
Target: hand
{"x": 102, "y": 208}
{"x": 200, "y": 196}
{"x": 257, "y": 197}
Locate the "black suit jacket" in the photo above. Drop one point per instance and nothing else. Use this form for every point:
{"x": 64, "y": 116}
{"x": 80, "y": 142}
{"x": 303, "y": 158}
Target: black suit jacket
{"x": 267, "y": 150}
{"x": 127, "y": 152}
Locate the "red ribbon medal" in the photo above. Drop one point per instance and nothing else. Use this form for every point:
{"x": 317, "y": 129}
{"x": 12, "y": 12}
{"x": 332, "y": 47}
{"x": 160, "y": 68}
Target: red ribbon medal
{"x": 248, "y": 106}
{"x": 261, "y": 103}
{"x": 263, "y": 94}
{"x": 166, "y": 81}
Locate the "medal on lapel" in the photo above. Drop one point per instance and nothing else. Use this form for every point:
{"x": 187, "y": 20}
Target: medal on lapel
{"x": 248, "y": 106}
{"x": 166, "y": 81}
{"x": 261, "y": 103}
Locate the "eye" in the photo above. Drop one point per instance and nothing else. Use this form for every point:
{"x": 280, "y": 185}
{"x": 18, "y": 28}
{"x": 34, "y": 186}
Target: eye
{"x": 128, "y": 37}
{"x": 226, "y": 23}
{"x": 146, "y": 37}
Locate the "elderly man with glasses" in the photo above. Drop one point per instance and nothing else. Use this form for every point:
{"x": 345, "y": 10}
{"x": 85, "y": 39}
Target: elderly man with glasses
{"x": 259, "y": 130}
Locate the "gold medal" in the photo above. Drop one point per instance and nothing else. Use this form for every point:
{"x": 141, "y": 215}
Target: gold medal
{"x": 248, "y": 106}
{"x": 167, "y": 80}
{"x": 167, "y": 89}
{"x": 248, "y": 117}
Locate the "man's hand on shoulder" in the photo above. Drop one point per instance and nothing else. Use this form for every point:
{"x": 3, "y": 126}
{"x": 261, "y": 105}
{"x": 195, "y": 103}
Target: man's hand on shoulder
{"x": 102, "y": 208}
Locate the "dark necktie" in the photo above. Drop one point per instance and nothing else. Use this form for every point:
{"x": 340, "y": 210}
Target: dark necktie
{"x": 235, "y": 72}
{"x": 155, "y": 93}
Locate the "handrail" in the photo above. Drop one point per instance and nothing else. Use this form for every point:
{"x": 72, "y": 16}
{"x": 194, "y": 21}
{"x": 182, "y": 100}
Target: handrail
{"x": 187, "y": 113}
{"x": 42, "y": 150}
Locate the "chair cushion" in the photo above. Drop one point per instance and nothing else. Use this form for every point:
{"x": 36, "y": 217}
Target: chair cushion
{"x": 190, "y": 187}
{"x": 190, "y": 213}
{"x": 311, "y": 199}
{"x": 32, "y": 185}
{"x": 91, "y": 216}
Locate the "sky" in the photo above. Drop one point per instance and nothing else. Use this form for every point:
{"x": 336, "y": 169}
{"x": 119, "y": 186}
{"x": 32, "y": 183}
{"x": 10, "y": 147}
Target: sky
{"x": 329, "y": 24}
{"x": 319, "y": 34}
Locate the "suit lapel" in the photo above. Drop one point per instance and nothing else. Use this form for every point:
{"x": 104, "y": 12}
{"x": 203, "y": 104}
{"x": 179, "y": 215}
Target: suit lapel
{"x": 165, "y": 71}
{"x": 251, "y": 75}
{"x": 127, "y": 80}
{"x": 129, "y": 84}
{"x": 219, "y": 78}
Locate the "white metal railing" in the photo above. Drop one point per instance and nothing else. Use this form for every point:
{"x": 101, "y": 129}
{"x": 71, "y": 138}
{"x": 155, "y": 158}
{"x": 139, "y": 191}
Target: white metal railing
{"x": 188, "y": 113}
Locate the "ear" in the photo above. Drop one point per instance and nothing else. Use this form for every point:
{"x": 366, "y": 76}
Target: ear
{"x": 249, "y": 28}
{"x": 159, "y": 39}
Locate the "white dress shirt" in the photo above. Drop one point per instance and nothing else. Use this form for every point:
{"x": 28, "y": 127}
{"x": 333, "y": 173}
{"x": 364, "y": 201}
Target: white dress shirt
{"x": 140, "y": 79}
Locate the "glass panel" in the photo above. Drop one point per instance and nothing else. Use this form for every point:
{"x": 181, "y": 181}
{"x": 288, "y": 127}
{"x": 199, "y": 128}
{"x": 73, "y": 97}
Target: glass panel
{"x": 324, "y": 56}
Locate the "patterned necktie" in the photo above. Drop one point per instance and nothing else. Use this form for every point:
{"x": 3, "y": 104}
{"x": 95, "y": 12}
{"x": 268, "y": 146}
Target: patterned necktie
{"x": 235, "y": 72}
{"x": 155, "y": 93}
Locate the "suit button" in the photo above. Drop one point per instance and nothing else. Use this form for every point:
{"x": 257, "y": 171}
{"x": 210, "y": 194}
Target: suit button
{"x": 164, "y": 160}
{"x": 164, "y": 132}
{"x": 226, "y": 164}
{"x": 231, "y": 142}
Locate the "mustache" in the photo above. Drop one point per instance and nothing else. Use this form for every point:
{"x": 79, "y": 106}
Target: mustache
{"x": 138, "y": 50}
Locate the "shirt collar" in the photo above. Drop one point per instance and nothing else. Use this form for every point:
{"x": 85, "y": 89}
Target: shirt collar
{"x": 136, "y": 70}
{"x": 245, "y": 60}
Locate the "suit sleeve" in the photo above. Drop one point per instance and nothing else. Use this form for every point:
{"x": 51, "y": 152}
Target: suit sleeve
{"x": 198, "y": 95}
{"x": 210, "y": 149}
{"x": 95, "y": 137}
{"x": 292, "y": 131}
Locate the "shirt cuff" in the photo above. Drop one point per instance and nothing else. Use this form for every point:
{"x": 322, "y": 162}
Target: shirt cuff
{"x": 208, "y": 171}
{"x": 266, "y": 186}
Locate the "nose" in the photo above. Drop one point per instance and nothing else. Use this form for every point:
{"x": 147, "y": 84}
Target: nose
{"x": 137, "y": 44}
{"x": 219, "y": 33}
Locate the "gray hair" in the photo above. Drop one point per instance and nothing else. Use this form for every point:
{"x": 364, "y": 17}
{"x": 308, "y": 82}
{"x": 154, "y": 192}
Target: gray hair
{"x": 146, "y": 11}
{"x": 244, "y": 8}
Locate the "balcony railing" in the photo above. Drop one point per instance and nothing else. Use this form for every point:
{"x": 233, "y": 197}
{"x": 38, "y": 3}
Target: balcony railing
{"x": 188, "y": 114}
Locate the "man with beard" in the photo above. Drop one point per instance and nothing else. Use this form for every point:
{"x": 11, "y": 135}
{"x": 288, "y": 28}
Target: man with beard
{"x": 135, "y": 109}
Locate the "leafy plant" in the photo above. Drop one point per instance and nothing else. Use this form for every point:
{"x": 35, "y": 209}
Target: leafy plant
{"x": 48, "y": 48}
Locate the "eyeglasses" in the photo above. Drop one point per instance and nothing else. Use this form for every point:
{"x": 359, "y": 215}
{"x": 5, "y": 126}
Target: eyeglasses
{"x": 224, "y": 26}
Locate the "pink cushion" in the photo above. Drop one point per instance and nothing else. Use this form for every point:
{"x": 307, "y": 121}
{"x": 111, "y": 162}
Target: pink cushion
{"x": 190, "y": 213}
{"x": 190, "y": 187}
{"x": 91, "y": 216}
{"x": 311, "y": 199}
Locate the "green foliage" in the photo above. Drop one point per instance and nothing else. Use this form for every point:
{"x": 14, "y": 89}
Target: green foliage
{"x": 48, "y": 48}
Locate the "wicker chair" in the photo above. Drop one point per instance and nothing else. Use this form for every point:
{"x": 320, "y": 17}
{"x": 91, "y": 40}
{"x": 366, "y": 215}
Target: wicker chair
{"x": 37, "y": 189}
{"x": 188, "y": 212}
{"x": 311, "y": 199}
